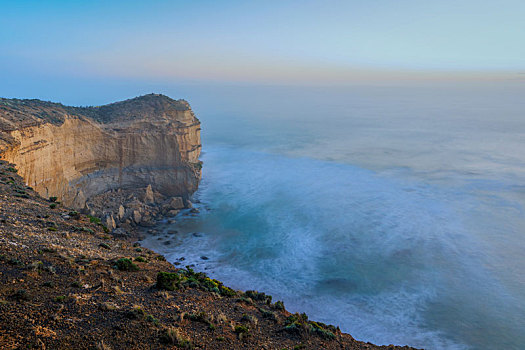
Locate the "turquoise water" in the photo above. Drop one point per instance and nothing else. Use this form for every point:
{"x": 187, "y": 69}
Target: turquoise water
{"x": 396, "y": 213}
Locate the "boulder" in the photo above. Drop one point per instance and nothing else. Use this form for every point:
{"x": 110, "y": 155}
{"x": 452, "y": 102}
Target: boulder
{"x": 137, "y": 217}
{"x": 172, "y": 212}
{"x": 148, "y": 196}
{"x": 176, "y": 203}
{"x": 121, "y": 212}
{"x": 110, "y": 222}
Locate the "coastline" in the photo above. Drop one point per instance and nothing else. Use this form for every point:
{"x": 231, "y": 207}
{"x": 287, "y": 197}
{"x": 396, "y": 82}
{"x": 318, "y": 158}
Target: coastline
{"x": 66, "y": 283}
{"x": 71, "y": 275}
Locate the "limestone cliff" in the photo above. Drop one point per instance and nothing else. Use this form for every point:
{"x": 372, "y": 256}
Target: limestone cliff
{"x": 78, "y": 153}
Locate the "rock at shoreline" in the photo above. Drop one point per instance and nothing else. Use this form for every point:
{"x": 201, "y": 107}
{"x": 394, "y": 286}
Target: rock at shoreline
{"x": 137, "y": 217}
{"x": 148, "y": 196}
{"x": 121, "y": 212}
{"x": 175, "y": 203}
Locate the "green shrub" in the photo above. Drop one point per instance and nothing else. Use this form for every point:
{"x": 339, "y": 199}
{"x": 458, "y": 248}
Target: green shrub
{"x": 245, "y": 300}
{"x": 299, "y": 323}
{"x": 53, "y": 205}
{"x": 74, "y": 214}
{"x": 125, "y": 264}
{"x": 151, "y": 319}
{"x": 172, "y": 336}
{"x": 105, "y": 246}
{"x": 317, "y": 328}
{"x": 53, "y": 199}
{"x": 168, "y": 280}
{"x": 226, "y": 291}
{"x": 94, "y": 220}
{"x": 255, "y": 295}
{"x": 296, "y": 323}
{"x": 249, "y": 318}
{"x": 241, "y": 329}
{"x": 84, "y": 229}
{"x": 203, "y": 318}
{"x": 192, "y": 279}
{"x": 136, "y": 313}
{"x": 268, "y": 314}
{"x": 140, "y": 259}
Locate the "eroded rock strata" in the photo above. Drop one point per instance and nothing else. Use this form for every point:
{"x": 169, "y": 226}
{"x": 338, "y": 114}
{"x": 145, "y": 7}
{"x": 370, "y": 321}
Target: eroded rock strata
{"x": 141, "y": 153}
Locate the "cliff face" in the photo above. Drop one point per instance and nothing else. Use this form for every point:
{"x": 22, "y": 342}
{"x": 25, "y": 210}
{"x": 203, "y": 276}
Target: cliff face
{"x": 78, "y": 153}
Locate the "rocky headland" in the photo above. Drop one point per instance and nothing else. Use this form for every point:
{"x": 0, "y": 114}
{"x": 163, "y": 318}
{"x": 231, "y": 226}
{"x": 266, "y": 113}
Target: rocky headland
{"x": 75, "y": 184}
{"x": 127, "y": 162}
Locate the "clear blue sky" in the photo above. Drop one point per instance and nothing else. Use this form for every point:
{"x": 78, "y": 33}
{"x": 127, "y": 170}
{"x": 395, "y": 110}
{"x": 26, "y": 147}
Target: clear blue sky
{"x": 258, "y": 41}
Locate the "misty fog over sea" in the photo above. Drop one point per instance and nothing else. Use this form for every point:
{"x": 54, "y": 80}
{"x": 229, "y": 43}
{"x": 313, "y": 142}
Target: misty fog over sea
{"x": 395, "y": 212}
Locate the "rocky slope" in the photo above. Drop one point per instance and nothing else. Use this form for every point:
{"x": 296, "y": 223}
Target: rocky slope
{"x": 144, "y": 151}
{"x": 66, "y": 284}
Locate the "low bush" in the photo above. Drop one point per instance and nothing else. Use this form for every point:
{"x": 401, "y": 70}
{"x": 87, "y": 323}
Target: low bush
{"x": 241, "y": 329}
{"x": 190, "y": 278}
{"x": 203, "y": 318}
{"x": 257, "y": 296}
{"x": 125, "y": 264}
{"x": 279, "y": 305}
{"x": 299, "y": 323}
{"x": 172, "y": 336}
{"x": 168, "y": 280}
{"x": 94, "y": 220}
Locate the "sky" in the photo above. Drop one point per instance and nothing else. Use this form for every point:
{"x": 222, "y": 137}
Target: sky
{"x": 261, "y": 42}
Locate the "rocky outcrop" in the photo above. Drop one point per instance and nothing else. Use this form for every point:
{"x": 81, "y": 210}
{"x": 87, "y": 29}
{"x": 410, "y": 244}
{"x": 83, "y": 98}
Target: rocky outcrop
{"x": 146, "y": 147}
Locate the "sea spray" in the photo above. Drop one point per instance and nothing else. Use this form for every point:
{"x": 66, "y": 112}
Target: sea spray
{"x": 388, "y": 260}
{"x": 396, "y": 212}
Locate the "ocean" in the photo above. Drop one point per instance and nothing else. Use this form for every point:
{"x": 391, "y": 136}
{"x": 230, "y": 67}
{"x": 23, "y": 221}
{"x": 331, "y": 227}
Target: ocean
{"x": 394, "y": 211}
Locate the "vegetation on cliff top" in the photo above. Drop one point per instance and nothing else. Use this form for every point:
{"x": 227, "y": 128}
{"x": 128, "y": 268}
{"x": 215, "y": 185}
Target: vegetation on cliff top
{"x": 16, "y": 113}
